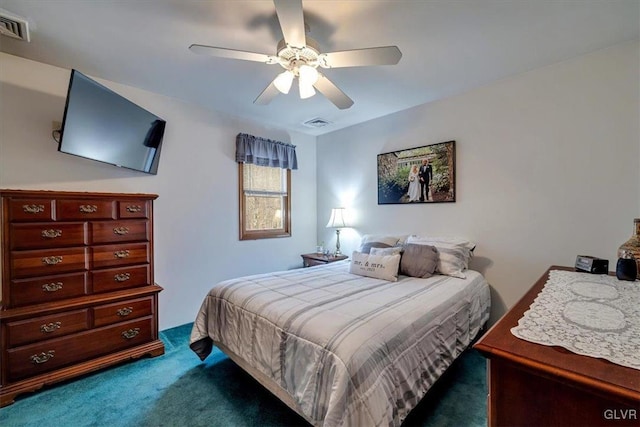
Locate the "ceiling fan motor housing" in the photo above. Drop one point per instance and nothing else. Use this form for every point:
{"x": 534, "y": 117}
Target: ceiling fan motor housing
{"x": 292, "y": 57}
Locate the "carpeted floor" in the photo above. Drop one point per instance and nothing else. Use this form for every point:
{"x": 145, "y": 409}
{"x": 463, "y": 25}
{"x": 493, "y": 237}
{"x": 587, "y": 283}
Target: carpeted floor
{"x": 178, "y": 390}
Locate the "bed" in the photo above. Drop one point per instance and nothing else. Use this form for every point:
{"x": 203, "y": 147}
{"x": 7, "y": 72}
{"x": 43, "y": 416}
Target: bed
{"x": 342, "y": 349}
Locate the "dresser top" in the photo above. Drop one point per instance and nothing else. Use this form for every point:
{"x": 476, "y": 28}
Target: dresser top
{"x": 73, "y": 194}
{"x": 555, "y": 361}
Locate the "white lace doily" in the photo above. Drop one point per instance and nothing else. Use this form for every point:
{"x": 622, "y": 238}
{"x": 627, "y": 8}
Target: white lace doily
{"x": 588, "y": 314}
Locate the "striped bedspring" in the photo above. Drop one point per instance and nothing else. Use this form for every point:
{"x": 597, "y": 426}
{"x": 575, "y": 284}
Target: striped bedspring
{"x": 349, "y": 350}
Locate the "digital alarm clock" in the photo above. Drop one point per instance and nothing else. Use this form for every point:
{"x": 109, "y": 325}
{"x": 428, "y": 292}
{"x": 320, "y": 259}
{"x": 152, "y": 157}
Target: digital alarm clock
{"x": 592, "y": 264}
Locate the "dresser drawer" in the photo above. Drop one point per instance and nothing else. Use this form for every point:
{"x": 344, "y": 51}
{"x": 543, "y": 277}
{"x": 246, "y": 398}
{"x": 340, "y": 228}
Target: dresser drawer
{"x": 117, "y": 255}
{"x": 125, "y": 310}
{"x": 45, "y": 327}
{"x": 114, "y": 279}
{"x": 48, "y": 261}
{"x": 31, "y": 209}
{"x": 133, "y": 209}
{"x": 120, "y": 231}
{"x": 47, "y": 289}
{"x": 45, "y": 356}
{"x": 85, "y": 209}
{"x": 48, "y": 235}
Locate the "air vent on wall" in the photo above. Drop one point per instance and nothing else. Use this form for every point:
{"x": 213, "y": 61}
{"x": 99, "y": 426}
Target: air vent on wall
{"x": 13, "y": 26}
{"x": 316, "y": 123}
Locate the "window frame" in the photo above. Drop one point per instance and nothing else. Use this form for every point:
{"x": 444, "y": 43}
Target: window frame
{"x": 286, "y": 212}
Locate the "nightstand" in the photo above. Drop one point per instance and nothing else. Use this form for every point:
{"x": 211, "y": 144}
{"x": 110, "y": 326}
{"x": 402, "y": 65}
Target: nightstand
{"x": 309, "y": 260}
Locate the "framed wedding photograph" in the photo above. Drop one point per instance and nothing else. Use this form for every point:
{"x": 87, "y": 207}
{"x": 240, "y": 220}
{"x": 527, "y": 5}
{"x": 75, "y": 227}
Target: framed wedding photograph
{"x": 424, "y": 174}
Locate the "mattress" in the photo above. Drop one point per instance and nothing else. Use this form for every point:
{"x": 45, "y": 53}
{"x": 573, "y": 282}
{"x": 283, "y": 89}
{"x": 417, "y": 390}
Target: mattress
{"x": 348, "y": 350}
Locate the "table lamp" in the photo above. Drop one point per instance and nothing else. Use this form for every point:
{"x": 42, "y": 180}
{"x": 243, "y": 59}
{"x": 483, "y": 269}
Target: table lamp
{"x": 337, "y": 220}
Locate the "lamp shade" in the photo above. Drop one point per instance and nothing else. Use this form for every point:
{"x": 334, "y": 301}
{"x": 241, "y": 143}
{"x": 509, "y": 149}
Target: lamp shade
{"x": 306, "y": 91}
{"x": 283, "y": 81}
{"x": 308, "y": 75}
{"x": 338, "y": 218}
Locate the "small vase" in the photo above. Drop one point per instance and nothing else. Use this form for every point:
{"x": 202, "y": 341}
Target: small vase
{"x": 626, "y": 269}
{"x": 632, "y": 246}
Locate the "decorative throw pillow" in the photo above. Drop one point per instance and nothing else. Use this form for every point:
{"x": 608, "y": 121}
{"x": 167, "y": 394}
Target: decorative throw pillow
{"x": 366, "y": 248}
{"x": 453, "y": 258}
{"x": 383, "y": 267}
{"x": 377, "y": 241}
{"x": 418, "y": 260}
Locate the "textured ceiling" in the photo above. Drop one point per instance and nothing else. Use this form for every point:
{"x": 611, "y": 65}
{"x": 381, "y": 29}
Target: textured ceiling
{"x": 448, "y": 47}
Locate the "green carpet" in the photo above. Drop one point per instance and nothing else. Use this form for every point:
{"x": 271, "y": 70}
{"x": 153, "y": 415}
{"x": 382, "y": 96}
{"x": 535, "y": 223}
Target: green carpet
{"x": 176, "y": 389}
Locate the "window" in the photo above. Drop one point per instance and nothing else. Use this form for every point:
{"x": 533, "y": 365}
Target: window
{"x": 265, "y": 201}
{"x": 264, "y": 181}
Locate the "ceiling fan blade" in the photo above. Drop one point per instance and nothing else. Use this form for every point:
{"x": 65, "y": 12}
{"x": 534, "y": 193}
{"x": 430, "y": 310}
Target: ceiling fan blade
{"x": 386, "y": 55}
{"x": 267, "y": 95}
{"x": 221, "y": 52}
{"x": 291, "y": 20}
{"x": 333, "y": 94}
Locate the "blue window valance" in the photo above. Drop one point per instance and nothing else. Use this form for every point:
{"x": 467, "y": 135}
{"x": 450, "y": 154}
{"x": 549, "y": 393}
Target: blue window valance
{"x": 265, "y": 152}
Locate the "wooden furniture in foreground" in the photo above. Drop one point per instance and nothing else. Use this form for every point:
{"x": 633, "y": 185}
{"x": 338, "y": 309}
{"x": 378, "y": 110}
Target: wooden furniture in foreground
{"x": 537, "y": 385}
{"x": 309, "y": 260}
{"x": 77, "y": 285}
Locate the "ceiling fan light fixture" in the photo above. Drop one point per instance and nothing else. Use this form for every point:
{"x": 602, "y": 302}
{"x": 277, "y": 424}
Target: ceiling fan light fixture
{"x": 308, "y": 75}
{"x": 283, "y": 81}
{"x": 300, "y": 56}
{"x": 306, "y": 90}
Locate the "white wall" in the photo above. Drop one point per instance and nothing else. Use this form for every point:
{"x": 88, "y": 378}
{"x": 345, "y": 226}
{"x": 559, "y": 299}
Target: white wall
{"x": 547, "y": 168}
{"x": 196, "y": 215}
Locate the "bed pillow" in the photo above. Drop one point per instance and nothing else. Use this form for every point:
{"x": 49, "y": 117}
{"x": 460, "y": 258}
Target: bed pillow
{"x": 383, "y": 267}
{"x": 418, "y": 260}
{"x": 376, "y": 241}
{"x": 453, "y": 258}
{"x": 395, "y": 250}
{"x": 443, "y": 239}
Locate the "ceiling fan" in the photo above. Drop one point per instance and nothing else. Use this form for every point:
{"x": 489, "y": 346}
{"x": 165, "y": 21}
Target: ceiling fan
{"x": 300, "y": 57}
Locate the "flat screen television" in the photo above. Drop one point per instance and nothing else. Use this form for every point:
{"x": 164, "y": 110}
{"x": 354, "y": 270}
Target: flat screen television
{"x": 101, "y": 125}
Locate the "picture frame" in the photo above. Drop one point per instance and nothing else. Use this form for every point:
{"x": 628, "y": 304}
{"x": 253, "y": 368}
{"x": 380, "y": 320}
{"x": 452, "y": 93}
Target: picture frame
{"x": 400, "y": 183}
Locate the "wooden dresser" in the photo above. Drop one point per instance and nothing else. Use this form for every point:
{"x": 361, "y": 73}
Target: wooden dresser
{"x": 78, "y": 292}
{"x": 537, "y": 385}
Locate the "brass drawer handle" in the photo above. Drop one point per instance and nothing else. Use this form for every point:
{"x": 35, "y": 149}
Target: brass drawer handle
{"x": 50, "y": 327}
{"x": 43, "y": 357}
{"x": 133, "y": 208}
{"x": 52, "y": 287}
{"x": 130, "y": 333}
{"x": 124, "y": 311}
{"x": 33, "y": 209}
{"x": 122, "y": 277}
{"x": 51, "y": 233}
{"x": 52, "y": 260}
{"x": 121, "y": 231}
{"x": 88, "y": 208}
{"x": 122, "y": 254}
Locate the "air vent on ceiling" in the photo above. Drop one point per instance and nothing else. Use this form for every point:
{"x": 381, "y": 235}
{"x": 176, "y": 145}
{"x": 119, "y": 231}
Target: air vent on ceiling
{"x": 13, "y": 26}
{"x": 316, "y": 123}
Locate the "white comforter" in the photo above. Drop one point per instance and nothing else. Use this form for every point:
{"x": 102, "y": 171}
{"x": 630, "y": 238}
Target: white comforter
{"x": 350, "y": 350}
